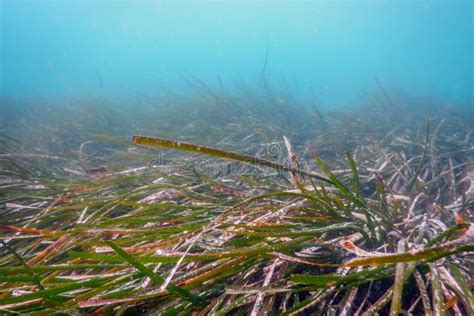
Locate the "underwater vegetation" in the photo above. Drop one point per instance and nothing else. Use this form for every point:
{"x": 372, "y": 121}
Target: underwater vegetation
{"x": 248, "y": 204}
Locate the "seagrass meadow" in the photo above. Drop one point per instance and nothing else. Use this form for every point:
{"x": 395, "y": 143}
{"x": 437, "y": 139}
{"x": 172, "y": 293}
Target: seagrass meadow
{"x": 237, "y": 204}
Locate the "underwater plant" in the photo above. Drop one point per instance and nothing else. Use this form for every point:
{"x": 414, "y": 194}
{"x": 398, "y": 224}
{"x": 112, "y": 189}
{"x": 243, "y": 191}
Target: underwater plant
{"x": 383, "y": 228}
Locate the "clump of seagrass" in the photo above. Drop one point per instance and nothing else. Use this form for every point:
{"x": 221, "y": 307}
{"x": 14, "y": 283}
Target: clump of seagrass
{"x": 374, "y": 221}
{"x": 386, "y": 232}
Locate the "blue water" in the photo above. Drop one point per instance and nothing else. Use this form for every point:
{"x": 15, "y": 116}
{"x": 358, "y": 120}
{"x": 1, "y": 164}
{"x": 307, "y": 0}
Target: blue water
{"x": 62, "y": 49}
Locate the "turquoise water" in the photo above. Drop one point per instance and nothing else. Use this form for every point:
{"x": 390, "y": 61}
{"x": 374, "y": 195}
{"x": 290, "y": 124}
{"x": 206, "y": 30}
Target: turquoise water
{"x": 246, "y": 157}
{"x": 334, "y": 49}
